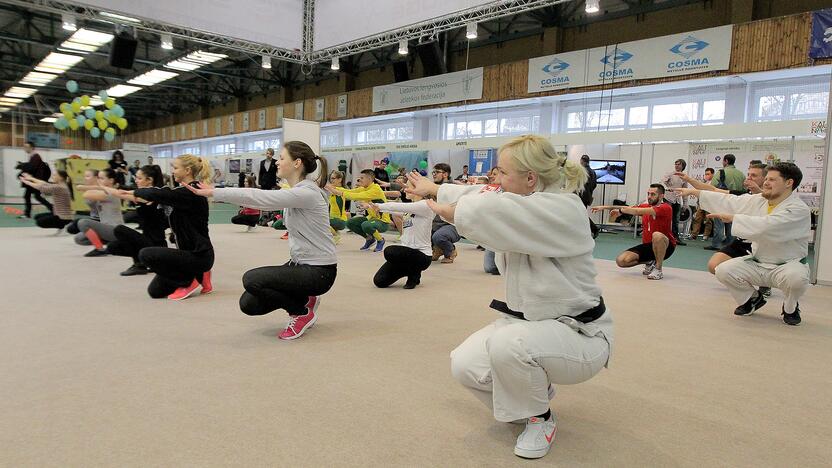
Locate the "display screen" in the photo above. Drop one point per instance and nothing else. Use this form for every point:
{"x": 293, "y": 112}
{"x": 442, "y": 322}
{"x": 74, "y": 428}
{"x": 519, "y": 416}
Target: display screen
{"x": 609, "y": 171}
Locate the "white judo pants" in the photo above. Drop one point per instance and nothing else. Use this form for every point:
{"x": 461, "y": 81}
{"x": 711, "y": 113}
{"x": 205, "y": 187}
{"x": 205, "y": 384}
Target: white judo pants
{"x": 510, "y": 363}
{"x": 741, "y": 275}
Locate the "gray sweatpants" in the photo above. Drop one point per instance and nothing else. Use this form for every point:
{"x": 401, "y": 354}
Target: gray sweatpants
{"x": 105, "y": 231}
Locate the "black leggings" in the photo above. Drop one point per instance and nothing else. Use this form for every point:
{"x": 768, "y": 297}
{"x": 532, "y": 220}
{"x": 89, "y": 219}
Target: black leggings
{"x": 50, "y": 221}
{"x": 245, "y": 220}
{"x": 285, "y": 287}
{"x": 174, "y": 268}
{"x": 129, "y": 243}
{"x": 401, "y": 262}
{"x": 27, "y": 198}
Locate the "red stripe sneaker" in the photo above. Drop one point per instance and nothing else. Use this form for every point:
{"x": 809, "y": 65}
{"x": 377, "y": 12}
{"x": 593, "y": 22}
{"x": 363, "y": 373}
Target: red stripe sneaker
{"x": 207, "y": 287}
{"x": 298, "y": 324}
{"x": 184, "y": 292}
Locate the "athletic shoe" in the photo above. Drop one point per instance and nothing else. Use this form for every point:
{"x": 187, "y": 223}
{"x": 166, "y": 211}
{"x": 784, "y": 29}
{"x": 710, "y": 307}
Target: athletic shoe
{"x": 437, "y": 252}
{"x": 537, "y": 438}
{"x": 207, "y": 287}
{"x": 184, "y": 292}
{"x": 411, "y": 284}
{"x": 367, "y": 244}
{"x": 285, "y": 236}
{"x": 450, "y": 258}
{"x": 95, "y": 253}
{"x": 298, "y": 324}
{"x": 755, "y": 302}
{"x": 648, "y": 268}
{"x": 792, "y": 318}
{"x": 765, "y": 291}
{"x": 249, "y": 228}
{"x": 379, "y": 246}
{"x": 134, "y": 270}
{"x": 656, "y": 274}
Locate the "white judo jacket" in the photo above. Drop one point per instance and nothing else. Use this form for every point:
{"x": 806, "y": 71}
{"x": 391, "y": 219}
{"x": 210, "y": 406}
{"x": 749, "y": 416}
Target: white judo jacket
{"x": 542, "y": 246}
{"x": 776, "y": 238}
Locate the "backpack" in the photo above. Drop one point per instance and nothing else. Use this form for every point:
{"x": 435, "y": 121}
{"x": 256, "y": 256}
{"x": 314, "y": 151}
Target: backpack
{"x": 720, "y": 184}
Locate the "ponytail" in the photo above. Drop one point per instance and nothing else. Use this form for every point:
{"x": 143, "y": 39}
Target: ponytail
{"x": 201, "y": 169}
{"x": 65, "y": 176}
{"x": 555, "y": 172}
{"x": 314, "y": 166}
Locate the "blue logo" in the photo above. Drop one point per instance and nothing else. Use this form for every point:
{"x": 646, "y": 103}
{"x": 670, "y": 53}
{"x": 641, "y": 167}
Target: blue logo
{"x": 689, "y": 47}
{"x": 555, "y": 67}
{"x": 617, "y": 57}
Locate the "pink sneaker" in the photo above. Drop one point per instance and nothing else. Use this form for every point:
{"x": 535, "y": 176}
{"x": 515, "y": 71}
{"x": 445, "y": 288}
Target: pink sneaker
{"x": 298, "y": 324}
{"x": 207, "y": 287}
{"x": 184, "y": 292}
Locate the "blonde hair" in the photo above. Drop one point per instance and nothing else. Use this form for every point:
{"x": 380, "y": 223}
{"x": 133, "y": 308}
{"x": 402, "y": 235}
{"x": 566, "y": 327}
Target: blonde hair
{"x": 200, "y": 168}
{"x": 555, "y": 173}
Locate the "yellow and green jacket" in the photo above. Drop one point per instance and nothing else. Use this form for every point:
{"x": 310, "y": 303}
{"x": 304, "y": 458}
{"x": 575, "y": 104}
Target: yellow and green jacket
{"x": 374, "y": 194}
{"x": 337, "y": 207}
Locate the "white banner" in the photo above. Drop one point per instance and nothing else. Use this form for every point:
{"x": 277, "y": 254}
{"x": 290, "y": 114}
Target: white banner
{"x": 440, "y": 89}
{"x": 675, "y": 55}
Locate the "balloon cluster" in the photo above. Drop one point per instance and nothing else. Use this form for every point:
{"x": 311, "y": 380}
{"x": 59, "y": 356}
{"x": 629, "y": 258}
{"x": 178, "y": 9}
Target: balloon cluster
{"x": 80, "y": 114}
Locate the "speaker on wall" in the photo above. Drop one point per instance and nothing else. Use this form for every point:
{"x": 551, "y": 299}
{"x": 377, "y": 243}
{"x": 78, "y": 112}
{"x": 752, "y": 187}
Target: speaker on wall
{"x": 123, "y": 50}
{"x": 400, "y": 71}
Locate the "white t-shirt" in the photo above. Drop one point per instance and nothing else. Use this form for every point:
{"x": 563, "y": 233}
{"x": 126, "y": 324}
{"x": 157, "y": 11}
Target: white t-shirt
{"x": 416, "y": 224}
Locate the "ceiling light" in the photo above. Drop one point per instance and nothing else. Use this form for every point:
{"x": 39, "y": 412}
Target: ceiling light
{"x": 5, "y": 109}
{"x": 167, "y": 42}
{"x": 86, "y": 40}
{"x": 593, "y": 6}
{"x": 403, "y": 47}
{"x": 68, "y": 21}
{"x": 152, "y": 77}
{"x": 9, "y": 101}
{"x": 119, "y": 17}
{"x": 335, "y": 65}
{"x": 19, "y": 92}
{"x": 49, "y": 119}
{"x": 122, "y": 90}
{"x": 194, "y": 60}
{"x": 58, "y": 63}
{"x": 37, "y": 79}
{"x": 471, "y": 30}
{"x": 96, "y": 101}
{"x": 266, "y": 62}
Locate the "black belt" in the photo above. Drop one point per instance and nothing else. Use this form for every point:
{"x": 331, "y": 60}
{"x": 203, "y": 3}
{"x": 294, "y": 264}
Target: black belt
{"x": 585, "y": 317}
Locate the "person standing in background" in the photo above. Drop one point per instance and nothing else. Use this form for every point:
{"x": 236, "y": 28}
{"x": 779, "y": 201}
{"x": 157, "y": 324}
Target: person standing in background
{"x": 676, "y": 201}
{"x": 119, "y": 165}
{"x": 38, "y": 169}
{"x": 380, "y": 171}
{"x": 728, "y": 178}
{"x": 587, "y": 193}
{"x": 268, "y": 171}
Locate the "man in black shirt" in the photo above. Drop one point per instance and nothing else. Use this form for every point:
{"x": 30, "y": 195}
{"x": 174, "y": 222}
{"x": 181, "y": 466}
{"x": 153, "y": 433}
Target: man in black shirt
{"x": 268, "y": 171}
{"x": 381, "y": 171}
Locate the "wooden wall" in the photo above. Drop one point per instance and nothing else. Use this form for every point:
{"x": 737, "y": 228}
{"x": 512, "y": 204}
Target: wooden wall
{"x": 769, "y": 44}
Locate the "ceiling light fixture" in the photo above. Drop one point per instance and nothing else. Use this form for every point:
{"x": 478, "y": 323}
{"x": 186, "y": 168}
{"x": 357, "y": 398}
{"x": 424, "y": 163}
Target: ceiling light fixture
{"x": 471, "y": 30}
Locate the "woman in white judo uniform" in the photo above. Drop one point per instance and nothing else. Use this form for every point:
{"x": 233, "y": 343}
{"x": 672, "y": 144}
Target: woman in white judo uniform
{"x": 554, "y": 327}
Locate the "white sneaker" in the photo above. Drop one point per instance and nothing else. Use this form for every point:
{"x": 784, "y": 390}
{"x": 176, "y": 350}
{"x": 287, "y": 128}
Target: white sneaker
{"x": 249, "y": 228}
{"x": 656, "y": 274}
{"x": 537, "y": 438}
{"x": 648, "y": 268}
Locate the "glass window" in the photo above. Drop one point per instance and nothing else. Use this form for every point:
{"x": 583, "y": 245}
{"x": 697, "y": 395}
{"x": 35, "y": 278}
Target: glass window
{"x": 809, "y": 103}
{"x": 491, "y": 127}
{"x": 713, "y": 110}
{"x": 770, "y": 106}
{"x": 190, "y": 150}
{"x": 638, "y": 115}
{"x": 673, "y": 115}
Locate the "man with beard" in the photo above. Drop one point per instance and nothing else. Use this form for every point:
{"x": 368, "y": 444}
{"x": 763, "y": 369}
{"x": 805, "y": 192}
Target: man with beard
{"x": 657, "y": 240}
{"x": 777, "y": 223}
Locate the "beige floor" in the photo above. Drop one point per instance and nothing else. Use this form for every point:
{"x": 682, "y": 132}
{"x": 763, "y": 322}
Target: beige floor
{"x": 96, "y": 374}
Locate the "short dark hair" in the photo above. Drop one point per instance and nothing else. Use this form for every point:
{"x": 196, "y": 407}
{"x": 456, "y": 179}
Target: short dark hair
{"x": 709, "y": 169}
{"x": 788, "y": 170}
{"x": 465, "y": 165}
{"x": 759, "y": 165}
{"x": 658, "y": 187}
{"x": 682, "y": 162}
{"x": 443, "y": 167}
{"x": 29, "y": 142}
{"x": 730, "y": 158}
{"x": 370, "y": 173}
{"x": 755, "y": 161}
{"x": 270, "y": 151}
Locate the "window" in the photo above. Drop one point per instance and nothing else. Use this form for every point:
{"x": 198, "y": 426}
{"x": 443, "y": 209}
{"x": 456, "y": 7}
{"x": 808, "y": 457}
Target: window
{"x": 492, "y": 124}
{"x": 194, "y": 149}
{"x": 330, "y": 137}
{"x": 383, "y": 133}
{"x": 805, "y": 98}
{"x": 713, "y": 110}
{"x": 223, "y": 148}
{"x": 638, "y": 116}
{"x": 675, "y": 115}
{"x": 164, "y": 152}
{"x": 261, "y": 144}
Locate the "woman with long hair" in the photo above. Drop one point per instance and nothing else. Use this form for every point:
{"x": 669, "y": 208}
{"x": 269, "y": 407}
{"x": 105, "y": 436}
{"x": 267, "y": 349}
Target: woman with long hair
{"x": 554, "y": 327}
{"x": 109, "y": 212}
{"x": 247, "y": 216}
{"x": 297, "y": 285}
{"x": 59, "y": 188}
{"x": 150, "y": 216}
{"x": 183, "y": 270}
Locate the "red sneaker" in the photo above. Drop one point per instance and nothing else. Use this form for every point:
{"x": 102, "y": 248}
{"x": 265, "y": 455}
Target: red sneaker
{"x": 184, "y": 292}
{"x": 298, "y": 324}
{"x": 284, "y": 236}
{"x": 207, "y": 287}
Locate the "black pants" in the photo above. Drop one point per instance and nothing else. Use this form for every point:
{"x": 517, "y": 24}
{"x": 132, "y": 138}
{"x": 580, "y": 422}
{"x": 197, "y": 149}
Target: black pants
{"x": 285, "y": 287}
{"x": 131, "y": 217}
{"x": 677, "y": 209}
{"x": 401, "y": 262}
{"x": 27, "y": 198}
{"x": 174, "y": 268}
{"x": 129, "y": 243}
{"x": 245, "y": 220}
{"x": 50, "y": 221}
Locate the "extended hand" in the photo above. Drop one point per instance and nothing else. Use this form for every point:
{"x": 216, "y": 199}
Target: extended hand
{"x": 444, "y": 211}
{"x": 421, "y": 186}
{"x": 686, "y": 192}
{"x": 725, "y": 218}
{"x": 598, "y": 208}
{"x": 204, "y": 190}
{"x": 751, "y": 186}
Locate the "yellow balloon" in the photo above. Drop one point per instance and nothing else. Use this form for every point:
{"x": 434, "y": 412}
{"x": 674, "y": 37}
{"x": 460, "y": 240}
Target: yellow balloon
{"x": 111, "y": 130}
{"x": 99, "y": 115}
{"x": 122, "y": 123}
{"x": 89, "y": 124}
{"x": 109, "y": 103}
{"x": 73, "y": 124}
{"x": 112, "y": 118}
{"x": 64, "y": 107}
{"x": 76, "y": 106}
{"x": 69, "y": 115}
{"x": 102, "y": 124}
{"x": 85, "y": 100}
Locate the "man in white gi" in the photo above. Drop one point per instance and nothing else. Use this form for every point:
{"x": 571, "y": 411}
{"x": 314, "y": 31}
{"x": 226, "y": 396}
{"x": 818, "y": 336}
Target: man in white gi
{"x": 777, "y": 223}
